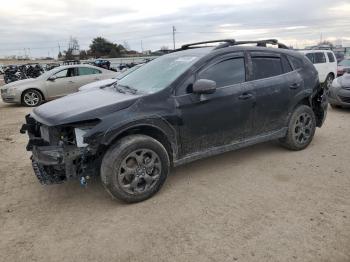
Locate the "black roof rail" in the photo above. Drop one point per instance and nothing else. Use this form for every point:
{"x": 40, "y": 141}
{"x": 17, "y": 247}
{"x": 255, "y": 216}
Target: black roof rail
{"x": 227, "y": 42}
{"x": 232, "y": 42}
{"x": 263, "y": 43}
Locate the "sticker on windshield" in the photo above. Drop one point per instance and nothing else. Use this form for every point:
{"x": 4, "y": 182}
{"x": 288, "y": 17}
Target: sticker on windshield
{"x": 185, "y": 59}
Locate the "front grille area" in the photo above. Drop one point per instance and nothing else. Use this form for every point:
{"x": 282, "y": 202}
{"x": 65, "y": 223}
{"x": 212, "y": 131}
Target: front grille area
{"x": 345, "y": 99}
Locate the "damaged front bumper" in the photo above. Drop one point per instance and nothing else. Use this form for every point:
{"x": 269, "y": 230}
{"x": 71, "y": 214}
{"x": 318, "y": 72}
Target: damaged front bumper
{"x": 56, "y": 162}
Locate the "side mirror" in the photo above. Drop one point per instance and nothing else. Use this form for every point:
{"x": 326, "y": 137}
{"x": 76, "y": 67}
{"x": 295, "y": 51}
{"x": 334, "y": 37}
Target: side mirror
{"x": 52, "y": 78}
{"x": 204, "y": 86}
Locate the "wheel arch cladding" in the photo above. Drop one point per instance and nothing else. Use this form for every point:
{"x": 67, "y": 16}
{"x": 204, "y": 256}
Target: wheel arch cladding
{"x": 151, "y": 131}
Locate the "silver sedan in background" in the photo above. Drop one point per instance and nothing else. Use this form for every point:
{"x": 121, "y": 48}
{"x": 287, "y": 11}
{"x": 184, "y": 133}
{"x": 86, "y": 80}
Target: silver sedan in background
{"x": 53, "y": 84}
{"x": 339, "y": 92}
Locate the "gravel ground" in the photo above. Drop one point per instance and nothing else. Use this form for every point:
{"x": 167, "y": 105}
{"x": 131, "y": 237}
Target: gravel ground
{"x": 262, "y": 203}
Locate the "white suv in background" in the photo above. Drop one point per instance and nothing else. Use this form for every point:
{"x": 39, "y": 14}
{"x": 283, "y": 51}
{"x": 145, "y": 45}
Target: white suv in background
{"x": 325, "y": 63}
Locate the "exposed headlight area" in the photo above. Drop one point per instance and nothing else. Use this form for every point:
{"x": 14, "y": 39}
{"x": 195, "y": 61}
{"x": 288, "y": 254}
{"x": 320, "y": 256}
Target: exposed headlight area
{"x": 59, "y": 152}
{"x": 79, "y": 136}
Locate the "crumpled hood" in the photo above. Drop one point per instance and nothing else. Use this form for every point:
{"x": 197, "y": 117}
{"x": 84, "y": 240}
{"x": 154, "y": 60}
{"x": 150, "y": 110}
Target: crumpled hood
{"x": 83, "y": 106}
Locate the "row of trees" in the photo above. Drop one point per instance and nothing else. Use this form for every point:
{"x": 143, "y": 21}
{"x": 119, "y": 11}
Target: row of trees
{"x": 100, "y": 47}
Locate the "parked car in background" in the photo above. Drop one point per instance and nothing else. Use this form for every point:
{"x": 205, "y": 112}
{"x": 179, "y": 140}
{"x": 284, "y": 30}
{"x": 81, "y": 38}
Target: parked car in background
{"x": 55, "y": 83}
{"x": 343, "y": 67}
{"x": 183, "y": 106}
{"x": 109, "y": 82}
{"x": 339, "y": 92}
{"x": 325, "y": 63}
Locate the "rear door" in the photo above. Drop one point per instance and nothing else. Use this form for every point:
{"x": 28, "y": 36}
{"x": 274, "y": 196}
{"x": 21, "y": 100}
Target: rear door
{"x": 86, "y": 75}
{"x": 274, "y": 82}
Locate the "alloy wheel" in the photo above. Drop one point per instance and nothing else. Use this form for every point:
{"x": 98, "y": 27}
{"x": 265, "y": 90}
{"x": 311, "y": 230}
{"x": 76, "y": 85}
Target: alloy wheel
{"x": 303, "y": 128}
{"x": 329, "y": 82}
{"x": 139, "y": 171}
{"x": 31, "y": 98}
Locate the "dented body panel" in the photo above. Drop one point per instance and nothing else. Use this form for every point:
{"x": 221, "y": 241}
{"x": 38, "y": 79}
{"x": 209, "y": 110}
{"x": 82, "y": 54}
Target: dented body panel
{"x": 190, "y": 126}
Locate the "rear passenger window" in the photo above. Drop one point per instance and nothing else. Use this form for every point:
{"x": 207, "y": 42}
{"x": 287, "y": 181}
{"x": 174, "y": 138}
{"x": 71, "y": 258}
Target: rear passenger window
{"x": 225, "y": 73}
{"x": 286, "y": 65}
{"x": 264, "y": 67}
{"x": 319, "y": 58}
{"x": 331, "y": 57}
{"x": 311, "y": 57}
{"x": 88, "y": 71}
{"x": 296, "y": 62}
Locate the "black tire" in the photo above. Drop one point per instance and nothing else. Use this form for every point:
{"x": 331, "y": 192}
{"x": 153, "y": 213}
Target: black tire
{"x": 328, "y": 82}
{"x": 301, "y": 129}
{"x": 125, "y": 173}
{"x": 31, "y": 98}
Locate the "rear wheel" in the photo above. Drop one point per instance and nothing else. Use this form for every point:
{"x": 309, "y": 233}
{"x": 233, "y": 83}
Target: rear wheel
{"x": 329, "y": 81}
{"x": 301, "y": 128}
{"x": 135, "y": 168}
{"x": 31, "y": 97}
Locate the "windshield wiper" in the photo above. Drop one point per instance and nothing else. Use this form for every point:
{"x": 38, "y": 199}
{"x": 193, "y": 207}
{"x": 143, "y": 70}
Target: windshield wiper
{"x": 119, "y": 89}
{"x": 130, "y": 89}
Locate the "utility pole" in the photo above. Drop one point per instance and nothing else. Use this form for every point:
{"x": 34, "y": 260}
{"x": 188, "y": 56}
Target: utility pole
{"x": 141, "y": 47}
{"x": 174, "y": 30}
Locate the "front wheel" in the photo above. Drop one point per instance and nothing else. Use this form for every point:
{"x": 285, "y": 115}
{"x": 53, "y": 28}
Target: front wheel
{"x": 32, "y": 98}
{"x": 135, "y": 168}
{"x": 301, "y": 128}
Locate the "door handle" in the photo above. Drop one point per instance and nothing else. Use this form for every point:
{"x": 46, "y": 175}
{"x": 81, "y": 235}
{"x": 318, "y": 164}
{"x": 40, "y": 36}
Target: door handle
{"x": 245, "y": 96}
{"x": 96, "y": 78}
{"x": 294, "y": 86}
{"x": 70, "y": 81}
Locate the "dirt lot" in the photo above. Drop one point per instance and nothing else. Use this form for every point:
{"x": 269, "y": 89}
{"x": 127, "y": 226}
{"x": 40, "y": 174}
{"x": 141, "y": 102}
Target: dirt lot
{"x": 262, "y": 203}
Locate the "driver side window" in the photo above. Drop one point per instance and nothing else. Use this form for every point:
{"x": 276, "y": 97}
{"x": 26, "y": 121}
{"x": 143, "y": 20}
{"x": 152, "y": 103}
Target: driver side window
{"x": 69, "y": 72}
{"x": 62, "y": 74}
{"x": 225, "y": 73}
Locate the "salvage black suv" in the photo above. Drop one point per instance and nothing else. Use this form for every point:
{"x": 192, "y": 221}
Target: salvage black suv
{"x": 193, "y": 103}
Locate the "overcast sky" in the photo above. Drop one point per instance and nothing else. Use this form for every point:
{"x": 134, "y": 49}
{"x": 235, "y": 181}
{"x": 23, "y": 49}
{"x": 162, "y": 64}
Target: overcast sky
{"x": 43, "y": 24}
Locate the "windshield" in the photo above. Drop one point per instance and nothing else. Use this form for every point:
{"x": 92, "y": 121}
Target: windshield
{"x": 161, "y": 72}
{"x": 344, "y": 63}
{"x": 125, "y": 73}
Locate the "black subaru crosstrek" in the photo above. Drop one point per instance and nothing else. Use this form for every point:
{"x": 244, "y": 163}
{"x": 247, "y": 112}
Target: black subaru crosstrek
{"x": 193, "y": 103}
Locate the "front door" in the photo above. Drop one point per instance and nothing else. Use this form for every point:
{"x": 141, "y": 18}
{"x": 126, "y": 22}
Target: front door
{"x": 65, "y": 82}
{"x": 217, "y": 119}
